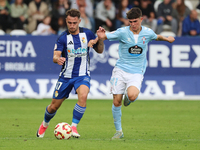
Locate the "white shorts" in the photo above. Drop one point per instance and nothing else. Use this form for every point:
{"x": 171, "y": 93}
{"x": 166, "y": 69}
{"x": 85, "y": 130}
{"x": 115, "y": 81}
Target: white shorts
{"x": 121, "y": 80}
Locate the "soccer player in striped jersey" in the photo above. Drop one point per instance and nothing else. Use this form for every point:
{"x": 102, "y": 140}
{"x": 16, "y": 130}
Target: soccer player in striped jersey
{"x": 71, "y": 51}
{"x": 127, "y": 75}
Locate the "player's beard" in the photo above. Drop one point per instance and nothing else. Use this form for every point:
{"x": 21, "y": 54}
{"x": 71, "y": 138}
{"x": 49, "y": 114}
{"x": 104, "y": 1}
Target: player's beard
{"x": 73, "y": 30}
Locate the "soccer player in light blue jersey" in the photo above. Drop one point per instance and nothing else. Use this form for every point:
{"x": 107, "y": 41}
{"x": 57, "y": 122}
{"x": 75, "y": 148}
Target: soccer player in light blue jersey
{"x": 71, "y": 51}
{"x": 127, "y": 75}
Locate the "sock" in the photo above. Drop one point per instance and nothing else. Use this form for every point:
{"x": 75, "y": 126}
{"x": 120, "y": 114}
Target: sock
{"x": 116, "y": 111}
{"x": 48, "y": 116}
{"x": 74, "y": 124}
{"x": 77, "y": 114}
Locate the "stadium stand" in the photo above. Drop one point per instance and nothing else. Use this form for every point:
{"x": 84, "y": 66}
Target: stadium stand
{"x": 18, "y": 32}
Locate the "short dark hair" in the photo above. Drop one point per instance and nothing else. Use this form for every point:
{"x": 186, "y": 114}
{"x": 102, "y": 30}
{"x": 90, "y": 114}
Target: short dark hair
{"x": 134, "y": 13}
{"x": 73, "y": 13}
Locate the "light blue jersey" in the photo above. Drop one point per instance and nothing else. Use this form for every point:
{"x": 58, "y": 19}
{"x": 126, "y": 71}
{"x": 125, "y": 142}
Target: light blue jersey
{"x": 132, "y": 53}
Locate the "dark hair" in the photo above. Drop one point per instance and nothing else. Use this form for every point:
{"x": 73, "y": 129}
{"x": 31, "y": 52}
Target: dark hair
{"x": 134, "y": 13}
{"x": 73, "y": 13}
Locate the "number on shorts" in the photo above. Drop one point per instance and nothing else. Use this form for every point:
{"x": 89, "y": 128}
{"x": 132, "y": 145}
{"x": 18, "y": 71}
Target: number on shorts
{"x": 58, "y": 85}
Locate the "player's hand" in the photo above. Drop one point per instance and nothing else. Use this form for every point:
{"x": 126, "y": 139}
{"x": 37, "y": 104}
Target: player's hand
{"x": 61, "y": 60}
{"x": 101, "y": 33}
{"x": 91, "y": 43}
{"x": 170, "y": 39}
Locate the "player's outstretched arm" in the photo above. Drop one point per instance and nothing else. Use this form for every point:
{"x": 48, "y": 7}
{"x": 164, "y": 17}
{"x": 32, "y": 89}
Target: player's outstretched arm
{"x": 169, "y": 39}
{"x": 57, "y": 59}
{"x": 101, "y": 36}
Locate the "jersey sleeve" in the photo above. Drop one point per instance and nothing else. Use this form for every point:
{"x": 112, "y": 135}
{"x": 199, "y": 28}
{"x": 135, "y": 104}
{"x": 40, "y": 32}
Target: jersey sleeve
{"x": 114, "y": 35}
{"x": 153, "y": 35}
{"x": 59, "y": 45}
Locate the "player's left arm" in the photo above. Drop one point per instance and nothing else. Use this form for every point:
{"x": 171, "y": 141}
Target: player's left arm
{"x": 169, "y": 39}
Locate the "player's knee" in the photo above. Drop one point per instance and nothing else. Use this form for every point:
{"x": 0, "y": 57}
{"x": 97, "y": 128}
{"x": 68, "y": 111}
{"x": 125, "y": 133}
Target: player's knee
{"x": 83, "y": 97}
{"x": 132, "y": 96}
{"x": 117, "y": 103}
{"x": 82, "y": 100}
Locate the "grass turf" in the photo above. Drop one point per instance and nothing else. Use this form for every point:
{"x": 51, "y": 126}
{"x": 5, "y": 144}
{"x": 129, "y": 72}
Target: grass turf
{"x": 147, "y": 125}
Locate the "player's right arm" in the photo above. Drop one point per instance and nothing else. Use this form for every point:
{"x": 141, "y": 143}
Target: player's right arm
{"x": 101, "y": 33}
{"x": 57, "y": 59}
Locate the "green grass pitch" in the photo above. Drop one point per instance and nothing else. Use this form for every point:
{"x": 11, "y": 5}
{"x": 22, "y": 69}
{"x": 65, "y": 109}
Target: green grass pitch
{"x": 147, "y": 125}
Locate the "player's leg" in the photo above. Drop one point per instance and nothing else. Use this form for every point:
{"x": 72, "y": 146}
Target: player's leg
{"x": 61, "y": 92}
{"x": 48, "y": 115}
{"x": 117, "y": 89}
{"x": 134, "y": 82}
{"x": 82, "y": 87}
{"x": 131, "y": 95}
{"x": 116, "y": 111}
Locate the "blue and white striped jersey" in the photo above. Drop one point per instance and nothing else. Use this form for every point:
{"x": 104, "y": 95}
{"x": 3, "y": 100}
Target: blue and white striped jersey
{"x": 74, "y": 48}
{"x": 132, "y": 48}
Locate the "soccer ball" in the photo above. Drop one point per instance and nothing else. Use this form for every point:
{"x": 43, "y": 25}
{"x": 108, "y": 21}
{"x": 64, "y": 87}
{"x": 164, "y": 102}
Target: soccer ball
{"x": 63, "y": 131}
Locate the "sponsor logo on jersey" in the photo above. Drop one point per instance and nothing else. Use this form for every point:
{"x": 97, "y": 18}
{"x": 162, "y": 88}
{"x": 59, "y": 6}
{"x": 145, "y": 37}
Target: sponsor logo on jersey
{"x": 135, "y": 50}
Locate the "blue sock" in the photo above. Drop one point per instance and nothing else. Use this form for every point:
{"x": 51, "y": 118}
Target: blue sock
{"x": 116, "y": 111}
{"x": 48, "y": 116}
{"x": 78, "y": 113}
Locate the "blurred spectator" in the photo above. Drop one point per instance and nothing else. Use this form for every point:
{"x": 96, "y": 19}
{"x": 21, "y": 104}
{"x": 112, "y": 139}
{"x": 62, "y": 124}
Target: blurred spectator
{"x": 88, "y": 9}
{"x": 198, "y": 6}
{"x": 27, "y": 2}
{"x": 85, "y": 21}
{"x": 5, "y": 18}
{"x": 61, "y": 25}
{"x": 148, "y": 14}
{"x": 59, "y": 9}
{"x": 121, "y": 19}
{"x": 135, "y": 3}
{"x": 191, "y": 25}
{"x": 19, "y": 14}
{"x": 165, "y": 10}
{"x": 37, "y": 11}
{"x": 181, "y": 11}
{"x": 44, "y": 27}
{"x": 105, "y": 15}
{"x": 87, "y": 3}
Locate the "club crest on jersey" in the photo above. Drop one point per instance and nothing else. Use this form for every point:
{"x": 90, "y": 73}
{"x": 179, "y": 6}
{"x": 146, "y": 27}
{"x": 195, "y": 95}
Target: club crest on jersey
{"x": 143, "y": 39}
{"x": 56, "y": 93}
{"x": 83, "y": 40}
{"x": 135, "y": 50}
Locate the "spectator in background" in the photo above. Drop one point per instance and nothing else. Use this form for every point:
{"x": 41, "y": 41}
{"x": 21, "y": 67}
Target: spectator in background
{"x": 148, "y": 14}
{"x": 105, "y": 15}
{"x": 191, "y": 25}
{"x": 44, "y": 27}
{"x": 37, "y": 11}
{"x": 181, "y": 11}
{"x": 122, "y": 9}
{"x": 85, "y": 21}
{"x": 165, "y": 10}
{"x": 135, "y": 3}
{"x": 19, "y": 14}
{"x": 5, "y": 19}
{"x": 76, "y": 4}
{"x": 61, "y": 25}
{"x": 198, "y": 6}
{"x": 59, "y": 9}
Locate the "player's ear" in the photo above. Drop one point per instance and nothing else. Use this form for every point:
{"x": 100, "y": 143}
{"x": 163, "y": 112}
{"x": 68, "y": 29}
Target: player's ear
{"x": 79, "y": 20}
